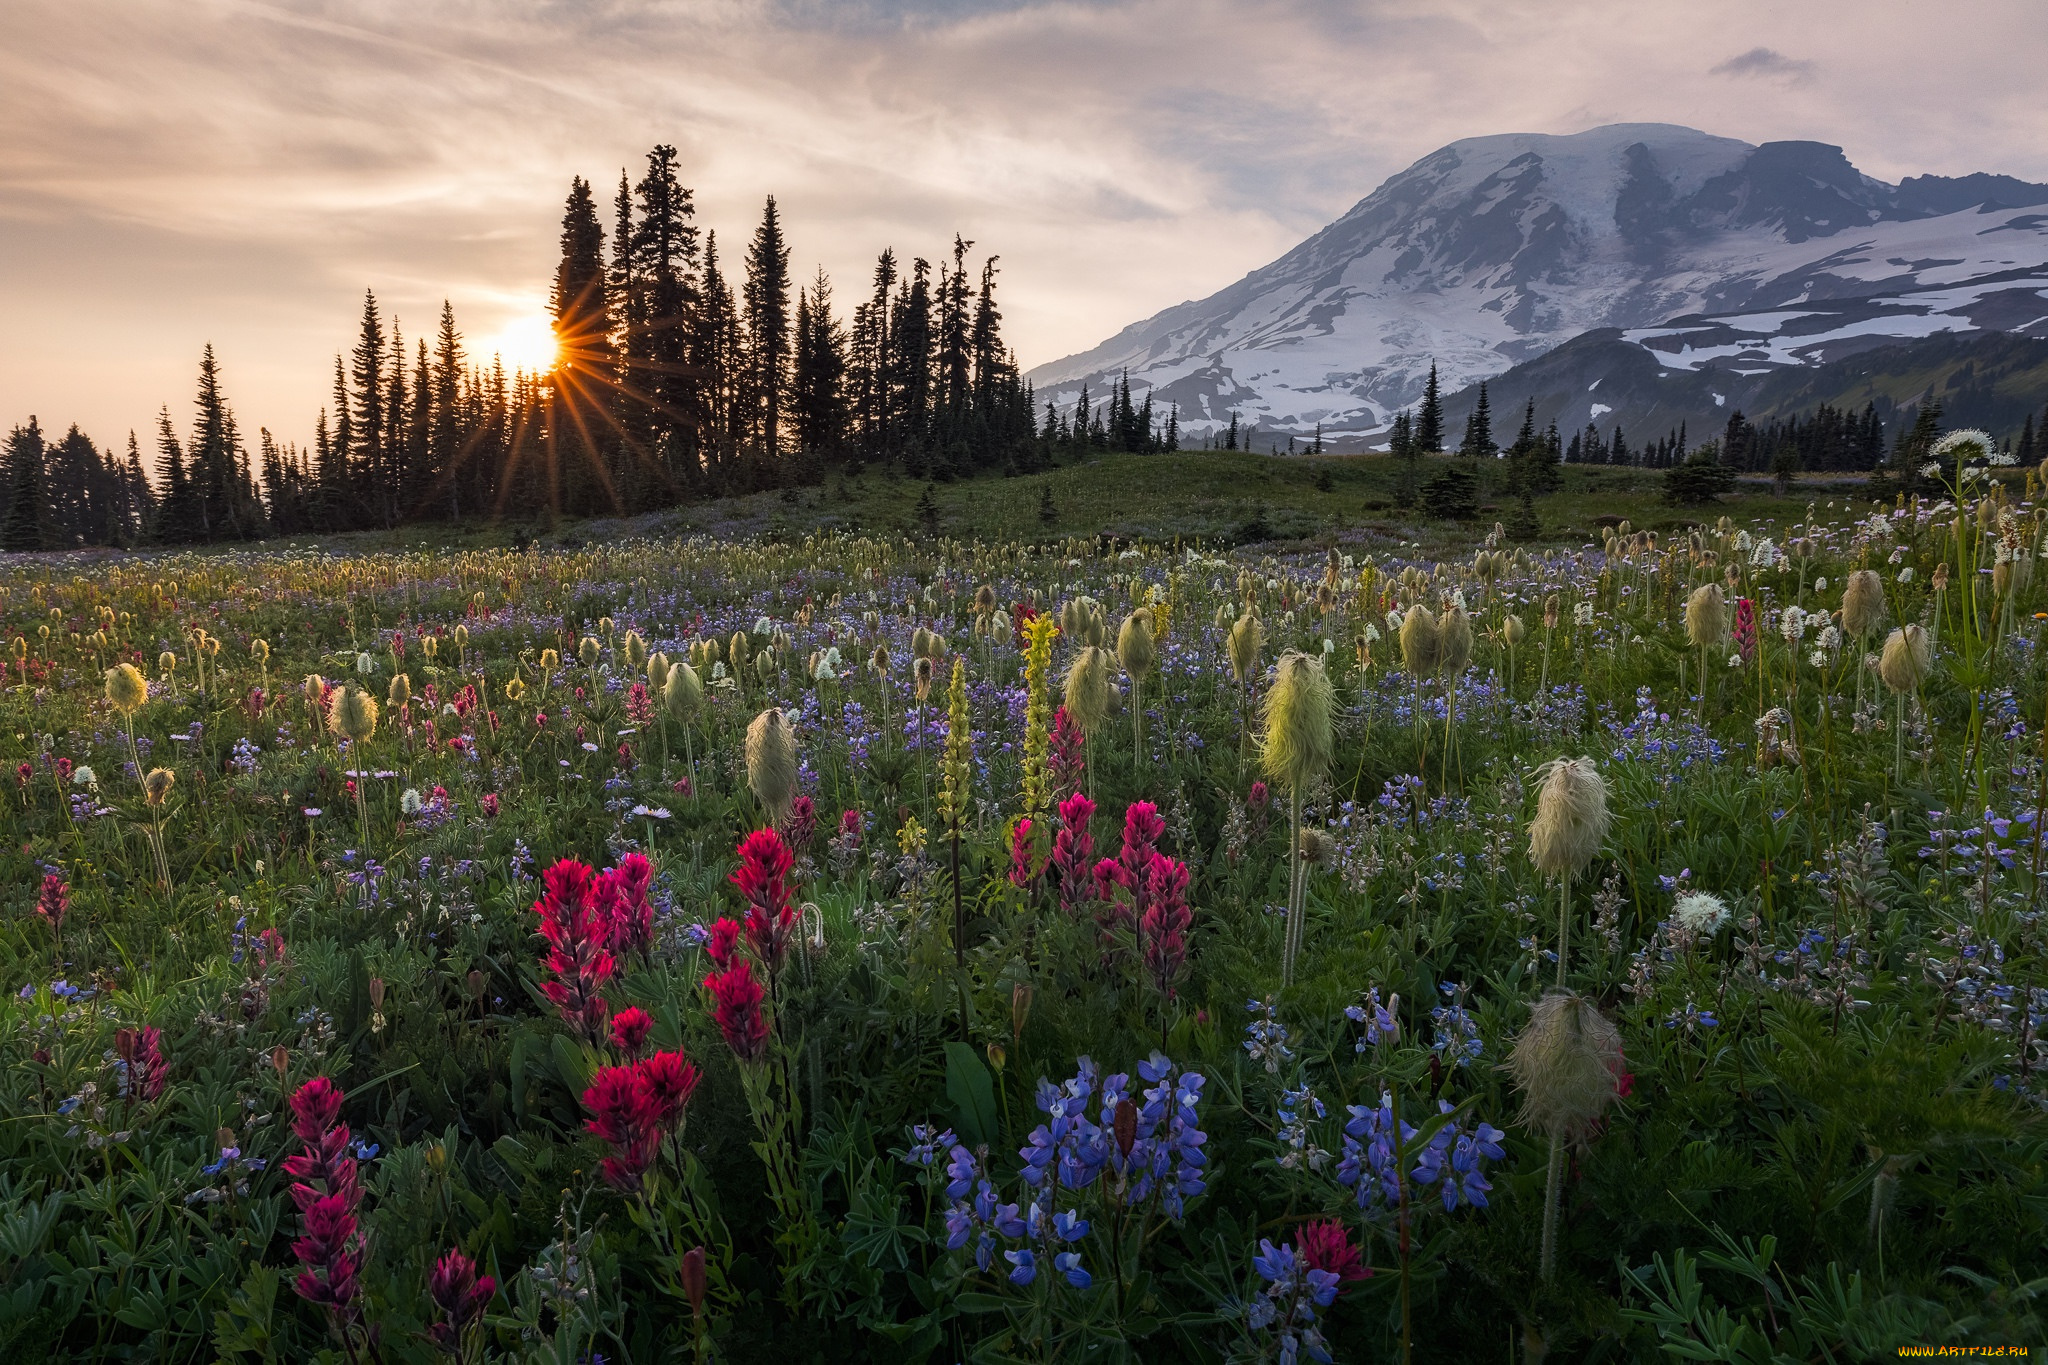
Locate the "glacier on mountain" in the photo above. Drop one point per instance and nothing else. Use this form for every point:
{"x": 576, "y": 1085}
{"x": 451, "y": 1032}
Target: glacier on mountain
{"x": 1708, "y": 251}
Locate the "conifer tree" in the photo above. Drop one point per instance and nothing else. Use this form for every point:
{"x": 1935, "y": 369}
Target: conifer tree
{"x": 817, "y": 383}
{"x": 1478, "y": 442}
{"x": 364, "y": 427}
{"x": 449, "y": 422}
{"x": 578, "y": 425}
{"x": 26, "y": 523}
{"x": 664, "y": 262}
{"x": 768, "y": 342}
{"x": 1429, "y": 420}
{"x": 910, "y": 366}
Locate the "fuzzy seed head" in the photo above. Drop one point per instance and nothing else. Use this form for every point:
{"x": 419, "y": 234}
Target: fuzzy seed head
{"x": 1299, "y": 740}
{"x": 1907, "y": 659}
{"x": 401, "y": 690}
{"x": 636, "y": 650}
{"x": 1512, "y": 630}
{"x": 657, "y": 672}
{"x": 1134, "y": 645}
{"x": 157, "y": 786}
{"x": 1419, "y": 641}
{"x": 352, "y": 713}
{"x": 166, "y": 662}
{"x": 1706, "y": 617}
{"x": 588, "y": 651}
{"x": 1571, "y": 817}
{"x": 315, "y": 687}
{"x": 1863, "y": 608}
{"x": 1247, "y": 638}
{"x": 261, "y": 651}
{"x": 1567, "y": 1065}
{"x": 1453, "y": 641}
{"x": 127, "y": 689}
{"x": 771, "y": 763}
{"x": 461, "y": 634}
{"x": 1088, "y": 690}
{"x": 682, "y": 692}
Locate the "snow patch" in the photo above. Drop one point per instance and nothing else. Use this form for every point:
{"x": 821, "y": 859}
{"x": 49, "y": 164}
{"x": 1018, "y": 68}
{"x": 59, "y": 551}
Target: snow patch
{"x": 1599, "y": 410}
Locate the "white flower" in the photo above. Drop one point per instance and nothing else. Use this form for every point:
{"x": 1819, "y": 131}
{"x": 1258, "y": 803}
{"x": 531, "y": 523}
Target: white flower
{"x": 1458, "y": 599}
{"x": 365, "y": 664}
{"x": 1329, "y": 645}
{"x": 1906, "y": 574}
{"x": 1394, "y": 621}
{"x": 82, "y": 776}
{"x": 2003, "y": 457}
{"x": 1582, "y": 614}
{"x": 448, "y": 709}
{"x": 1820, "y": 585}
{"x": 1930, "y": 470}
{"x": 1735, "y": 660}
{"x": 1819, "y": 658}
{"x": 1975, "y": 471}
{"x": 764, "y": 626}
{"x": 1743, "y": 540}
{"x": 1700, "y": 912}
{"x": 1792, "y": 625}
{"x": 1830, "y": 637}
{"x": 1765, "y": 555}
{"x": 409, "y": 801}
{"x": 1978, "y": 442}
{"x": 717, "y": 670}
{"x": 1372, "y": 633}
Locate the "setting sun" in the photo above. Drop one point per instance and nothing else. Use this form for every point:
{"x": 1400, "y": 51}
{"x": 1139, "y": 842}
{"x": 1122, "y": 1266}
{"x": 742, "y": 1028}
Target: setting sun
{"x": 526, "y": 342}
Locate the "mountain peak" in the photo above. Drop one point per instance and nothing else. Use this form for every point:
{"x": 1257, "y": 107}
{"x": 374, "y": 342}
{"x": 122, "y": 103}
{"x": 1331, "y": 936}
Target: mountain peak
{"x": 1492, "y": 250}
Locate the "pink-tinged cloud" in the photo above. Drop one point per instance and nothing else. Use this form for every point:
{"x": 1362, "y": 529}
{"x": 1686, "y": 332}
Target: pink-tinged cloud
{"x": 174, "y": 172}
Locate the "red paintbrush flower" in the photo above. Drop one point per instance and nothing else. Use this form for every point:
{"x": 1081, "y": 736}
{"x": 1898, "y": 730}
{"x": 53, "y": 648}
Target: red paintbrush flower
{"x": 327, "y": 1195}
{"x": 1162, "y": 932}
{"x": 461, "y": 1294}
{"x": 579, "y": 932}
{"x": 54, "y": 902}
{"x": 771, "y": 920}
{"x": 627, "y": 1116}
{"x": 1072, "y": 848}
{"x": 737, "y": 1010}
{"x": 1324, "y": 1245}
{"x": 630, "y": 1027}
{"x": 1020, "y": 854}
{"x": 724, "y": 940}
{"x": 670, "y": 1080}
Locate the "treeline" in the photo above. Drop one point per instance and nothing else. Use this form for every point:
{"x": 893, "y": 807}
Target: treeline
{"x": 672, "y": 383}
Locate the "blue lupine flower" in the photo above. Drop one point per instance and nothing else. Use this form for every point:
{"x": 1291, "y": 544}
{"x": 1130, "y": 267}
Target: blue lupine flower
{"x": 1026, "y": 1266}
{"x": 1068, "y": 1263}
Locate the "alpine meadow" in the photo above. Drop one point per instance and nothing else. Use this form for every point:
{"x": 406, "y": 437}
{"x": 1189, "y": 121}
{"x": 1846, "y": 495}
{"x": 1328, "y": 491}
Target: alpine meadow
{"x": 1477, "y": 794}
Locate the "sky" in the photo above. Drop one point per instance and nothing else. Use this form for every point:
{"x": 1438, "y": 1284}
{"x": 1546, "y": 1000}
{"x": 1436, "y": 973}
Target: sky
{"x": 175, "y": 173}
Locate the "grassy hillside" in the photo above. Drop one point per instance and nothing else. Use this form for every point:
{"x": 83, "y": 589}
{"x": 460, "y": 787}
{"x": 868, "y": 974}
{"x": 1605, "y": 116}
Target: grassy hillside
{"x": 1213, "y": 496}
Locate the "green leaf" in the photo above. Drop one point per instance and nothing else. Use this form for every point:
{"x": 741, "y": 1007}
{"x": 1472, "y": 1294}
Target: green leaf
{"x": 973, "y": 1092}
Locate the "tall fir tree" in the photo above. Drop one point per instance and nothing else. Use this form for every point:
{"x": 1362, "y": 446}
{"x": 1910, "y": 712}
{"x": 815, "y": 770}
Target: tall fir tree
{"x": 1478, "y": 442}
{"x": 1429, "y": 419}
{"x": 26, "y": 524}
{"x": 768, "y": 342}
{"x": 818, "y": 379}
{"x": 661, "y": 383}
{"x": 578, "y": 423}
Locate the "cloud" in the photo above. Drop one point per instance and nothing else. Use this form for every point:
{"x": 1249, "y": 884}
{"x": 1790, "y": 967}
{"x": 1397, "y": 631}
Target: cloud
{"x": 1762, "y": 61}
{"x": 179, "y": 171}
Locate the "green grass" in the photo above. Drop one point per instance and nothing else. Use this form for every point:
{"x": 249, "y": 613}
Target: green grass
{"x": 1208, "y": 496}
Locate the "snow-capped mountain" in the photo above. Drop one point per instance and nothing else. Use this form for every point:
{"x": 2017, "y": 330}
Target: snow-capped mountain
{"x": 1493, "y": 250}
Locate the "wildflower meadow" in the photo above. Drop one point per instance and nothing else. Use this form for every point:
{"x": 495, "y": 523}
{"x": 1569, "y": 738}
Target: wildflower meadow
{"x": 843, "y": 947}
